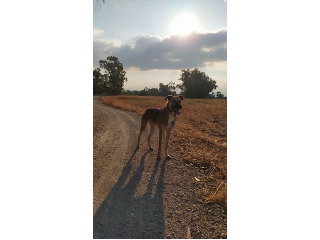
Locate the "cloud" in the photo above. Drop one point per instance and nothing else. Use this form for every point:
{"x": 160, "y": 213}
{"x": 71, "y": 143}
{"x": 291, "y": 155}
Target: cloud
{"x": 97, "y": 32}
{"x": 101, "y": 49}
{"x": 175, "y": 52}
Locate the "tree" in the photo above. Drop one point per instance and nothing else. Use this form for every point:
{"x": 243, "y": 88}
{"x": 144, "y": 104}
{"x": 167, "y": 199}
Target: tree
{"x": 196, "y": 84}
{"x": 144, "y": 92}
{"x": 100, "y": 82}
{"x": 165, "y": 90}
{"x": 172, "y": 88}
{"x": 212, "y": 96}
{"x": 220, "y": 95}
{"x": 115, "y": 72}
{"x": 153, "y": 92}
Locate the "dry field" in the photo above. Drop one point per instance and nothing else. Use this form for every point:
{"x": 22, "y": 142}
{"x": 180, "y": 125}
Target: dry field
{"x": 199, "y": 137}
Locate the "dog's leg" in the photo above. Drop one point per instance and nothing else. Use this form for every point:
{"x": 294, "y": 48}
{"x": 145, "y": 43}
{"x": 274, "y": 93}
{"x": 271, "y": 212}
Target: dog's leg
{"x": 144, "y": 122}
{"x": 168, "y": 132}
{"x": 152, "y": 127}
{"x": 160, "y": 140}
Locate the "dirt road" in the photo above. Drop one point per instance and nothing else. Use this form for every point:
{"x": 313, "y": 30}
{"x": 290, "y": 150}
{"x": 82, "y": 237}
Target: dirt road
{"x": 136, "y": 196}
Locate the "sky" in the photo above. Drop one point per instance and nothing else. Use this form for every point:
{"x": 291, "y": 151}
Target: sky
{"x": 156, "y": 39}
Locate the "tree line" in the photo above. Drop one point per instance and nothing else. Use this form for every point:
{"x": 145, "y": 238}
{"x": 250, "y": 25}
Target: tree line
{"x": 194, "y": 83}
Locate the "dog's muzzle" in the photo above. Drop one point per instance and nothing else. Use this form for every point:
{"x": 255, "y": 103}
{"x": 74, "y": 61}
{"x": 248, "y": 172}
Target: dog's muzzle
{"x": 176, "y": 109}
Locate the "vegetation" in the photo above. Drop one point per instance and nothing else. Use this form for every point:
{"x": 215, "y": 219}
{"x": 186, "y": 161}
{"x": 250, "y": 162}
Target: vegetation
{"x": 220, "y": 95}
{"x": 100, "y": 82}
{"x": 112, "y": 81}
{"x": 196, "y": 84}
{"x": 200, "y": 137}
{"x": 164, "y": 90}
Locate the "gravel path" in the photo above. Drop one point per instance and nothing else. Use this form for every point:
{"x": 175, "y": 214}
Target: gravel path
{"x": 136, "y": 196}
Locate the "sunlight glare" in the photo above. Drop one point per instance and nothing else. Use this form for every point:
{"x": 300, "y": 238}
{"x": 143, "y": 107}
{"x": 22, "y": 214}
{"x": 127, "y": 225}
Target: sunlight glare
{"x": 184, "y": 24}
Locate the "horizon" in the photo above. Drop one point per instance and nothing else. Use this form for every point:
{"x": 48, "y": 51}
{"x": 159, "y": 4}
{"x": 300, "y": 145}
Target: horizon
{"x": 162, "y": 39}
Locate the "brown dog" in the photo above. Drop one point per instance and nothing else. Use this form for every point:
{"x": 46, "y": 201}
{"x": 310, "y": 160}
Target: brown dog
{"x": 164, "y": 119}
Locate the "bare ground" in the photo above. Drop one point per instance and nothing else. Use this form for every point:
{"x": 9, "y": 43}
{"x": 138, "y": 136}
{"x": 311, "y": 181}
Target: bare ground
{"x": 136, "y": 196}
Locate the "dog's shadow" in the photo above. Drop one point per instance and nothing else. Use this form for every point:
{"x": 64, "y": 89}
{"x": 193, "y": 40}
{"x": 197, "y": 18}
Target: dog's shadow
{"x": 121, "y": 215}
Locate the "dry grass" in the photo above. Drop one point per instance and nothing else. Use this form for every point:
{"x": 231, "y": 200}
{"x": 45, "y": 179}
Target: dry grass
{"x": 200, "y": 136}
{"x": 219, "y": 195}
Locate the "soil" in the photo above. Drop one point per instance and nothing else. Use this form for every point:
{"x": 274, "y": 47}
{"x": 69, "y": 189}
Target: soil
{"x": 136, "y": 196}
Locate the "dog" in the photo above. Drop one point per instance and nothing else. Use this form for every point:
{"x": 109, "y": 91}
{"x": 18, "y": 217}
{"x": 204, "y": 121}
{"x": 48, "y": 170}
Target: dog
{"x": 164, "y": 119}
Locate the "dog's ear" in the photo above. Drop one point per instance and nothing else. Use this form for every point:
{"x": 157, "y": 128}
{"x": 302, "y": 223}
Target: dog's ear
{"x": 181, "y": 97}
{"x": 168, "y": 97}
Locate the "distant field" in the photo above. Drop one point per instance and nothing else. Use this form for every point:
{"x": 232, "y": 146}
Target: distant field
{"x": 199, "y": 137}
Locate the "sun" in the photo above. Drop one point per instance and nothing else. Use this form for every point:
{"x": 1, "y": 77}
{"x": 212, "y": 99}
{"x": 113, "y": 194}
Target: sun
{"x": 184, "y": 24}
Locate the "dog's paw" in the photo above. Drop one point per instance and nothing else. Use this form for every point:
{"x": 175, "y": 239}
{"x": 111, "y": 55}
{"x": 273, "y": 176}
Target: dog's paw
{"x": 168, "y": 157}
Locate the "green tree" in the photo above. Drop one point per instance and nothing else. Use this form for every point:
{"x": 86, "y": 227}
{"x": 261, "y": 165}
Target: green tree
{"x": 116, "y": 74}
{"x": 212, "y": 96}
{"x": 100, "y": 82}
{"x": 196, "y": 84}
{"x": 144, "y": 92}
{"x": 220, "y": 95}
{"x": 172, "y": 88}
{"x": 153, "y": 92}
{"x": 165, "y": 90}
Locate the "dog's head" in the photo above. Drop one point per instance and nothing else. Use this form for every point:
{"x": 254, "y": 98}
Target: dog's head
{"x": 174, "y": 103}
